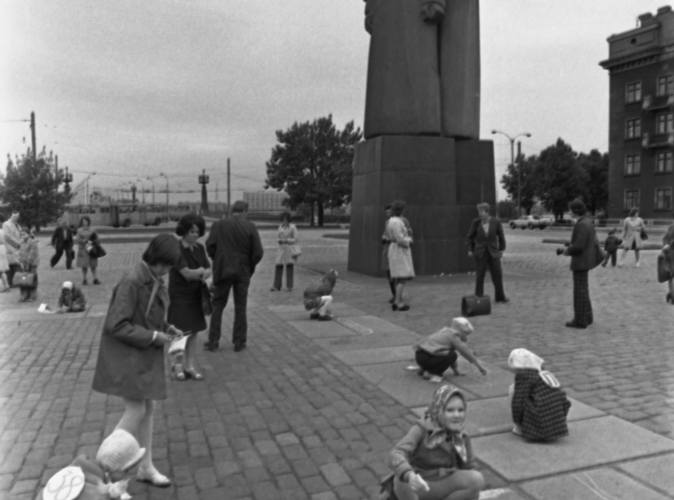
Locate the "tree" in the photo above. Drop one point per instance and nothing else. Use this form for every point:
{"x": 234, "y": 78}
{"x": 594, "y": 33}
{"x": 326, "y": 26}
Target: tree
{"x": 595, "y": 165}
{"x": 32, "y": 189}
{"x": 559, "y": 178}
{"x": 509, "y": 181}
{"x": 313, "y": 163}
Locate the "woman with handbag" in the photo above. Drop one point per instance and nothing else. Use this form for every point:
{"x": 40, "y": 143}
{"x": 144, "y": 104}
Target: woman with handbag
{"x": 399, "y": 253}
{"x": 29, "y": 259}
{"x": 186, "y": 292}
{"x": 287, "y": 253}
{"x": 85, "y": 239}
{"x": 634, "y": 231}
{"x": 130, "y": 361}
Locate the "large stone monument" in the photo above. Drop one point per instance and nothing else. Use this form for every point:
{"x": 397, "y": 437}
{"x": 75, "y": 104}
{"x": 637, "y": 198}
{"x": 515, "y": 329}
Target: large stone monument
{"x": 422, "y": 120}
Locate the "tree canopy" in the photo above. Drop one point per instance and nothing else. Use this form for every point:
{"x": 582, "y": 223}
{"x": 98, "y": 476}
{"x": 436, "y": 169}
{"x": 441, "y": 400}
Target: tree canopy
{"x": 522, "y": 170}
{"x": 313, "y": 163}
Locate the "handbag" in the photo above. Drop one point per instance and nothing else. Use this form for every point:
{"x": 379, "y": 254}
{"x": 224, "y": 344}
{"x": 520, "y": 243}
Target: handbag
{"x": 643, "y": 233}
{"x": 24, "y": 279}
{"x": 206, "y": 304}
{"x": 296, "y": 250}
{"x": 664, "y": 269}
{"x": 475, "y": 306}
{"x": 95, "y": 250}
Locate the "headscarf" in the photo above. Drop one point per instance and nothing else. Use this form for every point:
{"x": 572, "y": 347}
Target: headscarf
{"x": 521, "y": 358}
{"x": 68, "y": 285}
{"x": 462, "y": 325}
{"x": 433, "y": 422}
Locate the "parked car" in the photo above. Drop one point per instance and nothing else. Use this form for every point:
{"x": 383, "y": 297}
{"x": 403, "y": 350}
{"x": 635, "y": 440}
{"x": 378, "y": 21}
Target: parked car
{"x": 529, "y": 222}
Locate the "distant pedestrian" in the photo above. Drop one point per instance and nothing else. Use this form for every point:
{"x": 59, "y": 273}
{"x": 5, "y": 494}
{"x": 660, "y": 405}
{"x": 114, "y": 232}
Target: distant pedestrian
{"x": 62, "y": 241}
{"x": 12, "y": 235}
{"x": 633, "y": 226}
{"x": 186, "y": 282}
{"x": 85, "y": 236}
{"x": 668, "y": 252}
{"x": 486, "y": 243}
{"x": 386, "y": 243}
{"x": 131, "y": 355}
{"x": 538, "y": 404}
{"x": 399, "y": 253}
{"x": 29, "y": 258}
{"x": 611, "y": 246}
{"x": 234, "y": 246}
{"x": 71, "y": 299}
{"x": 286, "y": 255}
{"x": 4, "y": 263}
{"x": 583, "y": 259}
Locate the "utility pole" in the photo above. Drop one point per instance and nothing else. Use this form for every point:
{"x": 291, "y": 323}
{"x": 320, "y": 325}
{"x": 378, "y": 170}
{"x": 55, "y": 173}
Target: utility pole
{"x": 32, "y": 134}
{"x": 56, "y": 178}
{"x": 519, "y": 178}
{"x": 203, "y": 180}
{"x": 229, "y": 193}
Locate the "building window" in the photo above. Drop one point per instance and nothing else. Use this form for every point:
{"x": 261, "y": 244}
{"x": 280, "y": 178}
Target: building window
{"x": 665, "y": 85}
{"x": 633, "y": 128}
{"x": 664, "y": 123}
{"x": 663, "y": 162}
{"x": 663, "y": 199}
{"x": 633, "y": 92}
{"x": 631, "y": 198}
{"x": 632, "y": 164}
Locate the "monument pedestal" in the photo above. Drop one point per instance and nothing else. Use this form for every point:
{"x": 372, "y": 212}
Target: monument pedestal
{"x": 440, "y": 179}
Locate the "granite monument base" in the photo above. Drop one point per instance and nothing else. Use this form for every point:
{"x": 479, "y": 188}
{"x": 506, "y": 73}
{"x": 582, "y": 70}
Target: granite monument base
{"x": 440, "y": 179}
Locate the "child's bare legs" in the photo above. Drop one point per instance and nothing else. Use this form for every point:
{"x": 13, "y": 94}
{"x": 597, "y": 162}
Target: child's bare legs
{"x": 622, "y": 257}
{"x": 84, "y": 275}
{"x": 137, "y": 420}
{"x": 93, "y": 273}
{"x": 190, "y": 357}
{"x": 400, "y": 287}
{"x": 517, "y": 430}
{"x": 636, "y": 255}
{"x": 462, "y": 485}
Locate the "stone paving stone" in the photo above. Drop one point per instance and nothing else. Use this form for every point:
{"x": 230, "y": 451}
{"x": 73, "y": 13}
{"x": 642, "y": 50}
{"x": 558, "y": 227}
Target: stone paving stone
{"x": 322, "y": 329}
{"x": 368, "y": 341}
{"x": 590, "y": 443}
{"x": 598, "y": 483}
{"x": 335, "y": 475}
{"x": 654, "y": 471}
{"x": 375, "y": 355}
{"x": 503, "y": 494}
{"x": 368, "y": 325}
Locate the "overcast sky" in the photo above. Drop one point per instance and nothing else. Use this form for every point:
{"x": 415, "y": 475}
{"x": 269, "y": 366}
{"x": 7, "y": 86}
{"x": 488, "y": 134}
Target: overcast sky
{"x": 129, "y": 88}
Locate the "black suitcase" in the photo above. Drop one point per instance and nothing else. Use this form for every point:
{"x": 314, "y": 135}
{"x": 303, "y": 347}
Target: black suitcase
{"x": 475, "y": 306}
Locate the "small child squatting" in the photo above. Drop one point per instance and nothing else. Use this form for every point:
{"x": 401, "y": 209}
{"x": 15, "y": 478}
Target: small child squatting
{"x": 318, "y": 297}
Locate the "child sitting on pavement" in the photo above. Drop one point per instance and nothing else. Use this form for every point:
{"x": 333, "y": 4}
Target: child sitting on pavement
{"x": 440, "y": 351}
{"x": 71, "y": 299}
{"x": 99, "y": 479}
{"x": 435, "y": 459}
{"x": 318, "y": 297}
{"x": 611, "y": 247}
{"x": 539, "y": 406}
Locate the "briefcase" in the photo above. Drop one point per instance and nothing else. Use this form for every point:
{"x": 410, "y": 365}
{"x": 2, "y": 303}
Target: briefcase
{"x": 23, "y": 279}
{"x": 475, "y": 306}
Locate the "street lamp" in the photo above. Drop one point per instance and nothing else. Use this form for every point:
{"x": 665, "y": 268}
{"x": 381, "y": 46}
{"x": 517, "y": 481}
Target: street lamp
{"x": 167, "y": 196}
{"x": 143, "y": 187}
{"x": 512, "y": 160}
{"x": 150, "y": 179}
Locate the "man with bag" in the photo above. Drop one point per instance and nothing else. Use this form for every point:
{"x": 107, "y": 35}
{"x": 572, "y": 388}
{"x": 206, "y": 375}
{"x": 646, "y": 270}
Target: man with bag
{"x": 585, "y": 255}
{"x": 62, "y": 241}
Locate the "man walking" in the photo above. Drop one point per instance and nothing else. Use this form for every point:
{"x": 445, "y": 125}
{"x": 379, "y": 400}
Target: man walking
{"x": 583, "y": 259}
{"x": 12, "y": 232}
{"x": 486, "y": 243}
{"x": 234, "y": 246}
{"x": 62, "y": 241}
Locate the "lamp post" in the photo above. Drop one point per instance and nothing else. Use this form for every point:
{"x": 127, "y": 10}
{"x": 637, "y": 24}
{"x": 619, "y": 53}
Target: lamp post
{"x": 512, "y": 160}
{"x": 142, "y": 187}
{"x": 167, "y": 196}
{"x": 150, "y": 179}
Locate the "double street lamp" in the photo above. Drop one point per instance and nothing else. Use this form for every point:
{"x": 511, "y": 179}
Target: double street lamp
{"x": 512, "y": 161}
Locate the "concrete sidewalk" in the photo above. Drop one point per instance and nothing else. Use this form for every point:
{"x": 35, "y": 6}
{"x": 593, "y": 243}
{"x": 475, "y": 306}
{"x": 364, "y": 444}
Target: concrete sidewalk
{"x": 311, "y": 409}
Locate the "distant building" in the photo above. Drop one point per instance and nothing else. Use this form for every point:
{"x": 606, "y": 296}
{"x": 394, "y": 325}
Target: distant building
{"x": 641, "y": 117}
{"x": 265, "y": 201}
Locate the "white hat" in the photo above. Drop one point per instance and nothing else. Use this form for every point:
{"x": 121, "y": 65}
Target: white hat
{"x": 462, "y": 325}
{"x": 68, "y": 285}
{"x": 521, "y": 358}
{"x": 119, "y": 451}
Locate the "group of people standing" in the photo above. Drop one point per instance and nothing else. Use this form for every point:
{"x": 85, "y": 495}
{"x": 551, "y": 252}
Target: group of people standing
{"x": 64, "y": 239}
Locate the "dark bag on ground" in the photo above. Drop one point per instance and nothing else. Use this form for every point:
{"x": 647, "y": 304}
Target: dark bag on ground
{"x": 643, "y": 234}
{"x": 475, "y": 306}
{"x": 206, "y": 304}
{"x": 22, "y": 279}
{"x": 664, "y": 269}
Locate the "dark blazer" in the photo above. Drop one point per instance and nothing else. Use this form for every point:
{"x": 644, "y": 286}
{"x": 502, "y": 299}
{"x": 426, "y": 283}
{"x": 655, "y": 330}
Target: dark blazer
{"x": 581, "y": 250}
{"x": 234, "y": 246}
{"x": 62, "y": 238}
{"x": 493, "y": 241}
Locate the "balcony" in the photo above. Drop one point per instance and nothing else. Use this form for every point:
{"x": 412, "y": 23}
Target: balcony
{"x": 652, "y": 104}
{"x": 657, "y": 141}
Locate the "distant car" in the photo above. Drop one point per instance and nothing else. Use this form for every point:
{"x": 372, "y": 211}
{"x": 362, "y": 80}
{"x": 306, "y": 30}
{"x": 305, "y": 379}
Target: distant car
{"x": 529, "y": 222}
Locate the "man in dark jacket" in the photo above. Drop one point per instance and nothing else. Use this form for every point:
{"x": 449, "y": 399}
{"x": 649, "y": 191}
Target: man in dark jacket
{"x": 234, "y": 246}
{"x": 486, "y": 243}
{"x": 583, "y": 259}
{"x": 62, "y": 241}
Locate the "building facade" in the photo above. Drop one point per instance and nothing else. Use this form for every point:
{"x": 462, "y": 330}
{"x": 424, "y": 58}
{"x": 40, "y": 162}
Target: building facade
{"x": 641, "y": 117}
{"x": 265, "y": 201}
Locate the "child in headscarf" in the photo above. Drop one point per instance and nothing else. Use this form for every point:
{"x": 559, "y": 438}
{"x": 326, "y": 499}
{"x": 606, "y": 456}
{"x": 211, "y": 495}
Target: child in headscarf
{"x": 539, "y": 406}
{"x": 71, "y": 299}
{"x": 439, "y": 351}
{"x": 435, "y": 458}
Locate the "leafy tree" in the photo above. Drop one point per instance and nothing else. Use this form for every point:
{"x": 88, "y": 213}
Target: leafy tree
{"x": 559, "y": 177}
{"x": 506, "y": 209}
{"x": 509, "y": 181}
{"x": 313, "y": 163}
{"x": 32, "y": 189}
{"x": 595, "y": 164}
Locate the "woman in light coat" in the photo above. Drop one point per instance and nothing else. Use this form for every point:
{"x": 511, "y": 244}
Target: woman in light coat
{"x": 399, "y": 253}
{"x": 287, "y": 239}
{"x": 631, "y": 236}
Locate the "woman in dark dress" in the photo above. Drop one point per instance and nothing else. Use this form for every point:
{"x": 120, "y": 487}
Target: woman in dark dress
{"x": 185, "y": 283}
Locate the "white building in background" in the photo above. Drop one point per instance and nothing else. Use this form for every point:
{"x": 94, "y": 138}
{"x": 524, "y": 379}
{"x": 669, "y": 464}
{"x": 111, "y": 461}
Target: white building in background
{"x": 265, "y": 201}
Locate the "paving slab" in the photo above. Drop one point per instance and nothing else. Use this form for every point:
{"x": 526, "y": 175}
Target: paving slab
{"x": 494, "y": 384}
{"x": 375, "y": 356}
{"x": 604, "y": 483}
{"x": 405, "y": 338}
{"x": 501, "y": 494}
{"x": 322, "y": 329}
{"x": 591, "y": 443}
{"x": 369, "y": 324}
{"x": 31, "y": 314}
{"x": 97, "y": 310}
{"x": 655, "y": 471}
{"x": 404, "y": 386}
{"x": 295, "y": 313}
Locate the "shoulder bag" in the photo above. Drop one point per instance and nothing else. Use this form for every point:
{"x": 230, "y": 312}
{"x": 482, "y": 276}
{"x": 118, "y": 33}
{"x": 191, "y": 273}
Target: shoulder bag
{"x": 23, "y": 279}
{"x": 206, "y": 304}
{"x": 296, "y": 250}
{"x": 643, "y": 233}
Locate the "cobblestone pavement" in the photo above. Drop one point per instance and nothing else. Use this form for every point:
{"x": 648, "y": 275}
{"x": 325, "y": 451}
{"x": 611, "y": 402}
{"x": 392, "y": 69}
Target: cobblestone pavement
{"x": 286, "y": 419}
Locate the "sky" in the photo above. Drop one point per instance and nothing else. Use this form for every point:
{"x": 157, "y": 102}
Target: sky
{"x": 128, "y": 90}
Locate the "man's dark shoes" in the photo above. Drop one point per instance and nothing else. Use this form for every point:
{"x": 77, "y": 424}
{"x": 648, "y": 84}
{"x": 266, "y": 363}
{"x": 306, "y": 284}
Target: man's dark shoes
{"x": 239, "y": 346}
{"x": 314, "y": 316}
{"x": 211, "y": 346}
{"x": 326, "y": 317}
{"x": 573, "y": 324}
